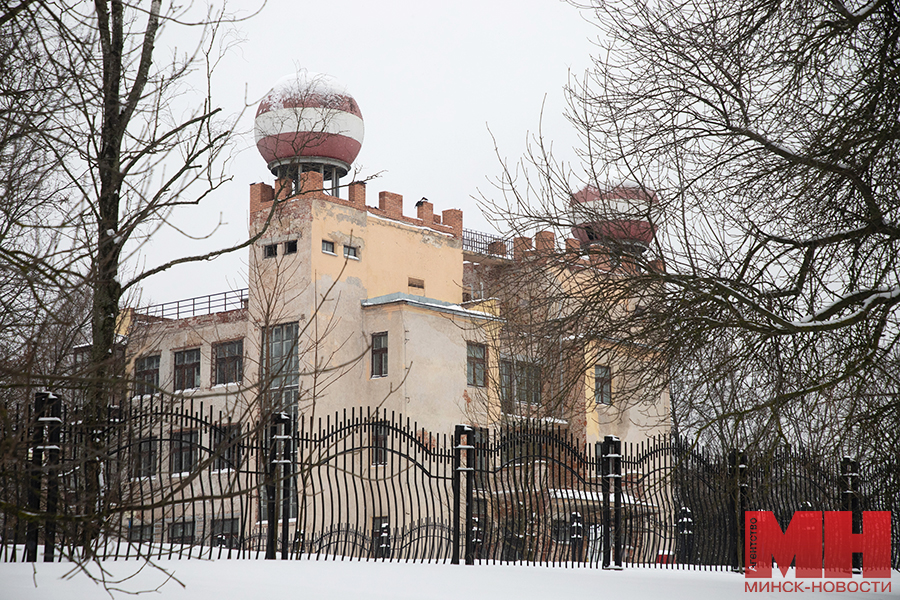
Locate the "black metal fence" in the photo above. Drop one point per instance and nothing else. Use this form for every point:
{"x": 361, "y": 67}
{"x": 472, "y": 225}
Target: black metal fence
{"x": 486, "y": 244}
{"x": 186, "y": 481}
{"x": 201, "y": 305}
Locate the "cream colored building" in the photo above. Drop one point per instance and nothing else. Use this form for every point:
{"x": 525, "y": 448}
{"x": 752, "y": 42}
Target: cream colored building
{"x": 376, "y": 310}
{"x": 352, "y": 305}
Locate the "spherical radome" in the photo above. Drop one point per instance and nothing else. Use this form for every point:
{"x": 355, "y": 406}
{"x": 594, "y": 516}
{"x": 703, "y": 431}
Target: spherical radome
{"x": 308, "y": 117}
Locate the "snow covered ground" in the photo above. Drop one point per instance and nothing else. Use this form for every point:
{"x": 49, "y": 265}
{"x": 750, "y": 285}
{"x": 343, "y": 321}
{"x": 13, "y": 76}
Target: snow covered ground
{"x": 277, "y": 580}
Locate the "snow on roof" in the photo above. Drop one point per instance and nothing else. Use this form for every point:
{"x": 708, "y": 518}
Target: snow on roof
{"x": 427, "y": 303}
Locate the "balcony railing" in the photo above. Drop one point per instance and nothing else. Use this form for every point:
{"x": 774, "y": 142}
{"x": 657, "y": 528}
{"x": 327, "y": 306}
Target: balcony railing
{"x": 486, "y": 244}
{"x": 201, "y": 305}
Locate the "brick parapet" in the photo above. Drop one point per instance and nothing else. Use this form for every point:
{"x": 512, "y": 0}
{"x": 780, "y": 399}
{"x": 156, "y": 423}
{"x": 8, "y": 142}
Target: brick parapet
{"x": 390, "y": 204}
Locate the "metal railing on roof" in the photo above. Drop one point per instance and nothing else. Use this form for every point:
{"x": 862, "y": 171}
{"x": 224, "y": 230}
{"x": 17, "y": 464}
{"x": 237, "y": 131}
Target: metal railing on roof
{"x": 201, "y": 305}
{"x": 486, "y": 244}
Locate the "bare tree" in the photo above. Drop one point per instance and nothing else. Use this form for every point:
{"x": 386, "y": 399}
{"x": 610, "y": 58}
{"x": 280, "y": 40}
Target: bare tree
{"x": 96, "y": 152}
{"x": 768, "y": 133}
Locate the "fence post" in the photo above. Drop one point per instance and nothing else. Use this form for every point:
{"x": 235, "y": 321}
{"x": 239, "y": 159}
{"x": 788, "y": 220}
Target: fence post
{"x": 611, "y": 480}
{"x": 470, "y": 486}
{"x": 53, "y": 419}
{"x": 34, "y": 476}
{"x": 576, "y": 537}
{"x": 457, "y": 460}
{"x": 685, "y": 535}
{"x": 287, "y": 480}
{"x": 850, "y": 500}
{"x": 738, "y": 475}
{"x": 271, "y": 504}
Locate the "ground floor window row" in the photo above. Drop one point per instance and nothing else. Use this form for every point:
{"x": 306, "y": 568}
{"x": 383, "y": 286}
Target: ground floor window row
{"x": 224, "y": 533}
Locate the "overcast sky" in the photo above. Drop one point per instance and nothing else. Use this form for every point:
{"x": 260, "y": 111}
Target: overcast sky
{"x": 431, "y": 79}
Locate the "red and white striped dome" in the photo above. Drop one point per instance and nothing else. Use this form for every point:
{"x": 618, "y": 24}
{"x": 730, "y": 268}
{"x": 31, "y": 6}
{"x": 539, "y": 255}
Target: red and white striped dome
{"x": 619, "y": 213}
{"x": 308, "y": 116}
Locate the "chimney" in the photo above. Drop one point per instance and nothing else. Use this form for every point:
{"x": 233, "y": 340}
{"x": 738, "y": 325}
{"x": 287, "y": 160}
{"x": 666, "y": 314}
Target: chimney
{"x": 521, "y": 245}
{"x": 391, "y": 204}
{"x": 453, "y": 218}
{"x": 311, "y": 183}
{"x": 498, "y": 248}
{"x": 260, "y": 194}
{"x": 545, "y": 241}
{"x": 284, "y": 188}
{"x": 357, "y": 194}
{"x": 425, "y": 212}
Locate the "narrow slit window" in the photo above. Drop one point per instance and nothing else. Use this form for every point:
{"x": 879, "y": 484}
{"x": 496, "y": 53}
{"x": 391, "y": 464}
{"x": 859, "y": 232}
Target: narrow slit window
{"x": 380, "y": 354}
{"x": 602, "y": 384}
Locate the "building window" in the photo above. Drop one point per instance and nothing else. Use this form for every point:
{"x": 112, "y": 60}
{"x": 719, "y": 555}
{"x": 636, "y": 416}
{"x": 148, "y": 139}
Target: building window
{"x": 187, "y": 369}
{"x": 183, "y": 451}
{"x": 228, "y": 362}
{"x": 290, "y": 247}
{"x": 145, "y": 458}
{"x": 476, "y": 358}
{"x": 520, "y": 383}
{"x": 380, "y": 354}
{"x": 602, "y": 384}
{"x": 181, "y": 532}
{"x": 351, "y": 252}
{"x": 381, "y": 537}
{"x": 226, "y": 533}
{"x": 416, "y": 283}
{"x": 146, "y": 375}
{"x": 282, "y": 366}
{"x": 379, "y": 443}
{"x": 327, "y": 247}
{"x": 140, "y": 533}
{"x": 227, "y": 445}
{"x": 270, "y": 250}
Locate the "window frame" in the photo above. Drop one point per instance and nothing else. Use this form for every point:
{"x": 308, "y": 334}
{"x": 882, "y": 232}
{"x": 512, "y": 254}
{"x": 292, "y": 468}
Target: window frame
{"x": 180, "y": 370}
{"x": 351, "y": 252}
{"x": 146, "y": 377}
{"x": 270, "y": 251}
{"x": 328, "y": 247}
{"x": 290, "y": 247}
{"x": 227, "y": 446}
{"x": 227, "y": 363}
{"x": 379, "y": 438}
{"x": 226, "y": 528}
{"x": 141, "y": 533}
{"x": 379, "y": 355}
{"x": 602, "y": 385}
{"x": 520, "y": 385}
{"x": 281, "y": 365}
{"x": 184, "y": 451}
{"x": 184, "y": 538}
{"x": 145, "y": 458}
{"x": 476, "y": 365}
